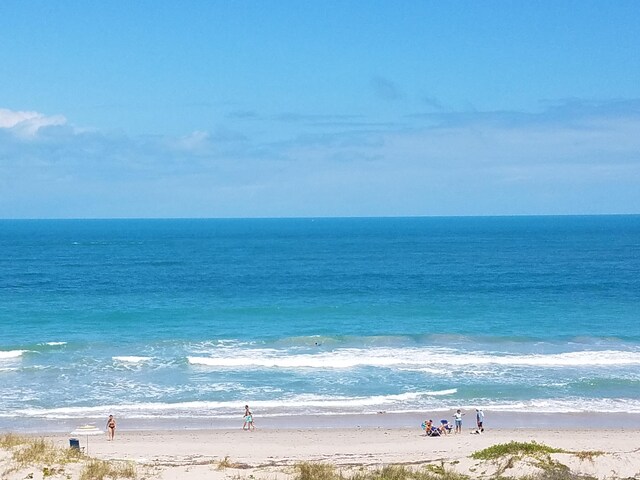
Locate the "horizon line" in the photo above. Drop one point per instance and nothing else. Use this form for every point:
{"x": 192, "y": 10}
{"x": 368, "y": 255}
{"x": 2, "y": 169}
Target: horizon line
{"x": 338, "y": 217}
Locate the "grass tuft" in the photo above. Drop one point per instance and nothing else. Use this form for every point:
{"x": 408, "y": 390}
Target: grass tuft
{"x": 30, "y": 452}
{"x": 514, "y": 448}
{"x": 100, "y": 470}
{"x": 36, "y": 451}
{"x": 587, "y": 455}
{"x": 390, "y": 472}
{"x": 316, "y": 471}
{"x": 10, "y": 440}
{"x": 323, "y": 471}
{"x": 226, "y": 462}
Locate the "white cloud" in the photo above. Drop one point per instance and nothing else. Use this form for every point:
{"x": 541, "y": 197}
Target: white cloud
{"x": 583, "y": 159}
{"x": 195, "y": 142}
{"x": 26, "y": 124}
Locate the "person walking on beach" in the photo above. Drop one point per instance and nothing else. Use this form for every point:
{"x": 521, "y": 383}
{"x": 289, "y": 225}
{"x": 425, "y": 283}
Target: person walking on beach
{"x": 479, "y": 420}
{"x": 248, "y": 419}
{"x": 111, "y": 427}
{"x": 457, "y": 417}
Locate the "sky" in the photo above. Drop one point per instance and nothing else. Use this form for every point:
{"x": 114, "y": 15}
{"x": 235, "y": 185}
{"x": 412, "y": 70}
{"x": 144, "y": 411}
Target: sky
{"x": 302, "y": 108}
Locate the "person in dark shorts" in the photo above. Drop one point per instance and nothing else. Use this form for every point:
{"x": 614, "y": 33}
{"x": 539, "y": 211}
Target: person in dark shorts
{"x": 479, "y": 420}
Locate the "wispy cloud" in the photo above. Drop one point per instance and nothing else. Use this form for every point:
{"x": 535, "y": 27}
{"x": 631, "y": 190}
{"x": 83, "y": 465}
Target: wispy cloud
{"x": 385, "y": 89}
{"x": 433, "y": 104}
{"x": 558, "y": 160}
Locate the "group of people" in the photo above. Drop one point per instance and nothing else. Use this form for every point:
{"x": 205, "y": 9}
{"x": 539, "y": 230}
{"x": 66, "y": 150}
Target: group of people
{"x": 430, "y": 429}
{"x": 444, "y": 428}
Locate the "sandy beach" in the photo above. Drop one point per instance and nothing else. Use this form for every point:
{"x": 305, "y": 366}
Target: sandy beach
{"x": 271, "y": 453}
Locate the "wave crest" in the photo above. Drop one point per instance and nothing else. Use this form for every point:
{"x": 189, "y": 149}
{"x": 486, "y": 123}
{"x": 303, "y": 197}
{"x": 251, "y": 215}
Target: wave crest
{"x": 410, "y": 358}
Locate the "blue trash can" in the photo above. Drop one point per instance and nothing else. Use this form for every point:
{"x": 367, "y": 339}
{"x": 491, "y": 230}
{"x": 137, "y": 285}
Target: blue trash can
{"x": 74, "y": 443}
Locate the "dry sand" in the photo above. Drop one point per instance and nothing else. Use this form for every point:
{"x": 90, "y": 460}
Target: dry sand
{"x": 270, "y": 453}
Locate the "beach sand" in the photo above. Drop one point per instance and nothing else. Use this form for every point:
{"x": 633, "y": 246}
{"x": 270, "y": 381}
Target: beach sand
{"x": 270, "y": 453}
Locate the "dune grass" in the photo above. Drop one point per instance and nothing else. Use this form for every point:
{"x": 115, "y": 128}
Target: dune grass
{"x": 28, "y": 452}
{"x": 10, "y": 440}
{"x": 317, "y": 471}
{"x": 538, "y": 455}
{"x": 324, "y": 471}
{"x": 226, "y": 462}
{"x": 40, "y": 451}
{"x": 588, "y": 454}
{"x": 101, "y": 469}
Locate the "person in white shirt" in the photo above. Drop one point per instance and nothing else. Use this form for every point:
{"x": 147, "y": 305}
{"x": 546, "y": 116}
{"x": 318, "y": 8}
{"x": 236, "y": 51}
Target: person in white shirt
{"x": 457, "y": 417}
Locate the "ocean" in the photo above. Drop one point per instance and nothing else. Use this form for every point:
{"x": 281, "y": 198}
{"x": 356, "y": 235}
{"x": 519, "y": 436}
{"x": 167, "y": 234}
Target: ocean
{"x": 189, "y": 320}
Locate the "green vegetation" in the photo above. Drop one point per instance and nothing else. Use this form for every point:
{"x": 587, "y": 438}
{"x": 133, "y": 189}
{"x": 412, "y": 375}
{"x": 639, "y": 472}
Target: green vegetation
{"x": 538, "y": 455}
{"x": 323, "y": 471}
{"x": 316, "y": 471}
{"x": 515, "y": 448}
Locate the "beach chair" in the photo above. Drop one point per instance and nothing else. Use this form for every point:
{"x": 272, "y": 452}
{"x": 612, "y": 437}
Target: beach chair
{"x": 74, "y": 444}
{"x": 434, "y": 432}
{"x": 446, "y": 426}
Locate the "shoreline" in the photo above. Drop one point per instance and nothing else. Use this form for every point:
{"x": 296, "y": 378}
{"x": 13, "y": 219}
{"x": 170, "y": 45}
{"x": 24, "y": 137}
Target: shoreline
{"x": 493, "y": 421}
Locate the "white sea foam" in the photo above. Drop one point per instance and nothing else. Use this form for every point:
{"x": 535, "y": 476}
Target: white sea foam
{"x": 54, "y": 344}
{"x": 9, "y": 354}
{"x": 131, "y": 359}
{"x": 439, "y": 393}
{"x": 327, "y": 405}
{"x": 416, "y": 358}
{"x": 307, "y": 403}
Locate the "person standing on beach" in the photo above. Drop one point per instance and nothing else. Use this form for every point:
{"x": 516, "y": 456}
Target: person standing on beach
{"x": 111, "y": 427}
{"x": 479, "y": 420}
{"x": 458, "y": 420}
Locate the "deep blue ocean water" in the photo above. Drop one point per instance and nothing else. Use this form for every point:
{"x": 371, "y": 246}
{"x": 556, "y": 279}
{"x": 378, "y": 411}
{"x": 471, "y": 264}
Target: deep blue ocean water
{"x": 191, "y": 319}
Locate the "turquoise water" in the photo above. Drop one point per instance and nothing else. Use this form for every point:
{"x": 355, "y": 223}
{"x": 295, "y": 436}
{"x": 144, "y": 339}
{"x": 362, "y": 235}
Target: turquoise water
{"x": 191, "y": 319}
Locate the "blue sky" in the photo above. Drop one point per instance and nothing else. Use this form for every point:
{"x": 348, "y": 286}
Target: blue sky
{"x": 318, "y": 108}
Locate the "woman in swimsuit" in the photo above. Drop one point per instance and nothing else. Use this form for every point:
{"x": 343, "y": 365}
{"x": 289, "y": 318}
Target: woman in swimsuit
{"x": 111, "y": 427}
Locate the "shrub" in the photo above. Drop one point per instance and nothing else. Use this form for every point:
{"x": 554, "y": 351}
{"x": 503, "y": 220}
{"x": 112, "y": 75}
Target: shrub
{"x": 514, "y": 448}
